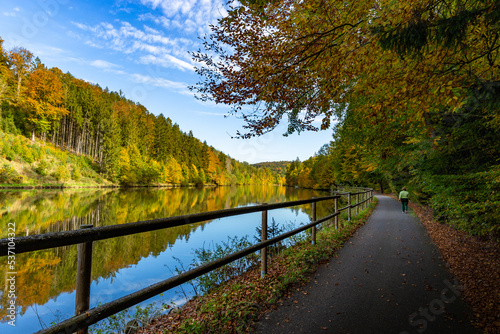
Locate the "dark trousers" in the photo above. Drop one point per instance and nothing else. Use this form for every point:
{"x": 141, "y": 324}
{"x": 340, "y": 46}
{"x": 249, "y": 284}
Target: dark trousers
{"x": 404, "y": 202}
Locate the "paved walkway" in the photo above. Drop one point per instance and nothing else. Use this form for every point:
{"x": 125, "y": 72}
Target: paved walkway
{"x": 388, "y": 278}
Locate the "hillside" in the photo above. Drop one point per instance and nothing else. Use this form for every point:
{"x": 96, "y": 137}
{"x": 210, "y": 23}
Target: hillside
{"x": 26, "y": 163}
{"x": 60, "y": 129}
{"x": 37, "y": 164}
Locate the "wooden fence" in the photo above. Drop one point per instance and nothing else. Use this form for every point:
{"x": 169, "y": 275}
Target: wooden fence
{"x": 87, "y": 234}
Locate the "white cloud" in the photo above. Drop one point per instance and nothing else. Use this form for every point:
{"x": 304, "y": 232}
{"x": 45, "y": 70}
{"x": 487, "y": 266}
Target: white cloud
{"x": 103, "y": 64}
{"x": 150, "y": 80}
{"x": 158, "y": 82}
{"x": 151, "y": 30}
{"x": 161, "y": 39}
{"x": 167, "y": 61}
{"x": 94, "y": 45}
{"x": 171, "y": 7}
{"x": 128, "y": 39}
{"x": 190, "y": 16}
{"x": 211, "y": 113}
{"x": 12, "y": 13}
{"x": 159, "y": 20}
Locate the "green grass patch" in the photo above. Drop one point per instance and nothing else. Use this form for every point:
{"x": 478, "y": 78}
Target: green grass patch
{"x": 24, "y": 163}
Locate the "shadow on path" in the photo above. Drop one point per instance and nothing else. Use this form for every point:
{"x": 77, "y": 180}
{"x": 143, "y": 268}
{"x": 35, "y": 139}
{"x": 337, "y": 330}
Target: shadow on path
{"x": 388, "y": 278}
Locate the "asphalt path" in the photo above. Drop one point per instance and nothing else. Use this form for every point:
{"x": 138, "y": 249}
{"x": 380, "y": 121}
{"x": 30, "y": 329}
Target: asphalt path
{"x": 388, "y": 278}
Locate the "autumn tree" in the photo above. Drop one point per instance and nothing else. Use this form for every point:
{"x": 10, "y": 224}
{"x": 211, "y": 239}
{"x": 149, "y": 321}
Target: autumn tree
{"x": 21, "y": 62}
{"x": 303, "y": 60}
{"x": 292, "y": 172}
{"x": 6, "y": 91}
{"x": 44, "y": 98}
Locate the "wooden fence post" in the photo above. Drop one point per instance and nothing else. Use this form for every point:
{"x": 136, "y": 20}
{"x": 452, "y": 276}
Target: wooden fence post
{"x": 336, "y": 211}
{"x": 263, "y": 251}
{"x": 357, "y": 204}
{"x": 348, "y": 206}
{"x": 313, "y": 229}
{"x": 83, "y": 278}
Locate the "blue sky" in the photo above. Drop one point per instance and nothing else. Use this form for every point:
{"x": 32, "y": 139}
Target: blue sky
{"x": 141, "y": 48}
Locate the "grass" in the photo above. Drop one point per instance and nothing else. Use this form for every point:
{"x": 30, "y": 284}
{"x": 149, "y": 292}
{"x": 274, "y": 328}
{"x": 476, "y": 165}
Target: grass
{"x": 27, "y": 164}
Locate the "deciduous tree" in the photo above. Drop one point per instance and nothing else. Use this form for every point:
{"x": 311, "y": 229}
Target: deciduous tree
{"x": 43, "y": 99}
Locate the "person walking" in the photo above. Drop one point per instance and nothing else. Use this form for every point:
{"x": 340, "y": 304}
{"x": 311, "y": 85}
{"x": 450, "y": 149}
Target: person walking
{"x": 404, "y": 198}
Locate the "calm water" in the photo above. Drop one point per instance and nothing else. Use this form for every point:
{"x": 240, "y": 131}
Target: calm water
{"x": 45, "y": 280}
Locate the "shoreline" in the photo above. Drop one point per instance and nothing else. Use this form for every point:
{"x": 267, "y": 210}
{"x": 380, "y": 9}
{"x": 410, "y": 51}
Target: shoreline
{"x": 117, "y": 186}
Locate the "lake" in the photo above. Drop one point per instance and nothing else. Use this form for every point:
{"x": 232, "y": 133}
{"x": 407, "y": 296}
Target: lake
{"x": 45, "y": 280}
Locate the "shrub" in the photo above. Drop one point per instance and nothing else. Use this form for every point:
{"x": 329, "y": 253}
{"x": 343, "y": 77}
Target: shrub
{"x": 220, "y": 275}
{"x": 17, "y": 146}
{"x": 42, "y": 168}
{"x": 273, "y": 230}
{"x": 7, "y": 124}
{"x": 61, "y": 173}
{"x": 129, "y": 177}
{"x": 469, "y": 202}
{"x": 76, "y": 174}
{"x": 27, "y": 154}
{"x": 8, "y": 152}
{"x": 151, "y": 172}
{"x": 9, "y": 175}
{"x": 36, "y": 152}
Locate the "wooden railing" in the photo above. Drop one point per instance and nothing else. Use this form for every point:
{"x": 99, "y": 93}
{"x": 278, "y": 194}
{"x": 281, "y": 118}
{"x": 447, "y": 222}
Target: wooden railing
{"x": 87, "y": 234}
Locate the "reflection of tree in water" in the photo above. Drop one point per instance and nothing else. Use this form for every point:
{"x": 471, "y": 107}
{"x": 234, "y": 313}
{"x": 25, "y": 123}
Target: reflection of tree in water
{"x": 42, "y": 211}
{"x": 45, "y": 274}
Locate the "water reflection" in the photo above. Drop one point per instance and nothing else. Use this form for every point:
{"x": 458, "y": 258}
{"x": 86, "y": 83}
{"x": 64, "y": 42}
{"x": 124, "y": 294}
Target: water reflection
{"x": 47, "y": 278}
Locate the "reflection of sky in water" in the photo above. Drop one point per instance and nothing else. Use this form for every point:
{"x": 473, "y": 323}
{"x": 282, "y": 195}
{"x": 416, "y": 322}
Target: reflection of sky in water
{"x": 150, "y": 270}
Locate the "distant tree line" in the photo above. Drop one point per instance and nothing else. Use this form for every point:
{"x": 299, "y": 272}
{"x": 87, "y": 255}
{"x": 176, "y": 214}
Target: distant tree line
{"x": 274, "y": 166}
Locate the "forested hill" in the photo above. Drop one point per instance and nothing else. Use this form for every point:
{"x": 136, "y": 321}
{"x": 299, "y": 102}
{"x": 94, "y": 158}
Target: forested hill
{"x": 126, "y": 143}
{"x": 274, "y": 166}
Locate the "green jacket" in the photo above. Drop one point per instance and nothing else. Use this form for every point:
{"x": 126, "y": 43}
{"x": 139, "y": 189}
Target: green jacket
{"x": 404, "y": 194}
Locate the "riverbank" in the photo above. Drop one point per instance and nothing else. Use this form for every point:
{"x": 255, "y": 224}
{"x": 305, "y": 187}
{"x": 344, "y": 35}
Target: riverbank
{"x": 237, "y": 304}
{"x": 98, "y": 186}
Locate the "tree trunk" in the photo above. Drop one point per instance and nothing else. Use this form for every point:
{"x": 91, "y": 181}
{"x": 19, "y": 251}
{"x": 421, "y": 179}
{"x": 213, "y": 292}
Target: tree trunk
{"x": 70, "y": 130}
{"x": 96, "y": 145}
{"x": 63, "y": 133}
{"x": 53, "y": 139}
